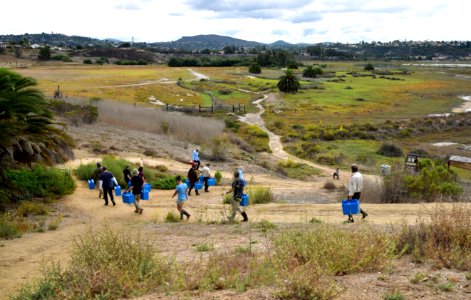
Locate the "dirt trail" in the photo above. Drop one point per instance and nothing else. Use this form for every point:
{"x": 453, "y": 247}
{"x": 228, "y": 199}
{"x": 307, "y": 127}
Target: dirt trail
{"x": 21, "y": 259}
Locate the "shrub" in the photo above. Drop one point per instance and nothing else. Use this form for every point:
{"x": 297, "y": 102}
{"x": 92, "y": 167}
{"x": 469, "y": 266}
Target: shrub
{"x": 255, "y": 69}
{"x": 218, "y": 177}
{"x": 105, "y": 265}
{"x": 219, "y": 148}
{"x": 260, "y": 195}
{"x": 204, "y": 247}
{"x": 369, "y": 67}
{"x": 390, "y": 150}
{"x": 329, "y": 185}
{"x": 41, "y": 182}
{"x": 9, "y": 229}
{"x": 395, "y": 295}
{"x": 165, "y": 183}
{"x": 312, "y": 71}
{"x": 27, "y": 208}
{"x": 87, "y": 61}
{"x": 171, "y": 218}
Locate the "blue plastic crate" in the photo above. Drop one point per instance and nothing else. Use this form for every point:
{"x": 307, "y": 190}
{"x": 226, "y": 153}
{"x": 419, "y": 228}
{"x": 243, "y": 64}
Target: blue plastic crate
{"x": 147, "y": 187}
{"x": 351, "y": 207}
{"x": 128, "y": 198}
{"x": 245, "y": 200}
{"x": 212, "y": 181}
{"x": 144, "y": 195}
{"x": 117, "y": 190}
{"x": 198, "y": 186}
{"x": 91, "y": 184}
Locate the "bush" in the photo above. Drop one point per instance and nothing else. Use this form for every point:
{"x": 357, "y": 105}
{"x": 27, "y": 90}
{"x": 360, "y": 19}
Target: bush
{"x": 219, "y": 148}
{"x": 329, "y": 185}
{"x": 260, "y": 195}
{"x": 165, "y": 183}
{"x": 218, "y": 177}
{"x": 255, "y": 69}
{"x": 40, "y": 182}
{"x": 171, "y": 218}
{"x": 105, "y": 265}
{"x": 312, "y": 71}
{"x": 27, "y": 208}
{"x": 87, "y": 61}
{"x": 369, "y": 67}
{"x": 75, "y": 114}
{"x": 390, "y": 150}
{"x": 9, "y": 229}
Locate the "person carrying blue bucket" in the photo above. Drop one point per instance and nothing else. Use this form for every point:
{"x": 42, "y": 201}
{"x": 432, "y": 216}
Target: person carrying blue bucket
{"x": 107, "y": 182}
{"x": 180, "y": 190}
{"x": 237, "y": 189}
{"x": 137, "y": 183}
{"x": 206, "y": 175}
{"x": 192, "y": 178}
{"x": 96, "y": 178}
{"x": 355, "y": 185}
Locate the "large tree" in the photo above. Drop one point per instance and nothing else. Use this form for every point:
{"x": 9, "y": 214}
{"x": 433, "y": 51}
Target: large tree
{"x": 288, "y": 83}
{"x": 27, "y": 130}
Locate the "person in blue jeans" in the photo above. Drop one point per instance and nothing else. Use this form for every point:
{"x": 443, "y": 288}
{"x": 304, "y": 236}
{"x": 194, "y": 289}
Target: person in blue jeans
{"x": 182, "y": 196}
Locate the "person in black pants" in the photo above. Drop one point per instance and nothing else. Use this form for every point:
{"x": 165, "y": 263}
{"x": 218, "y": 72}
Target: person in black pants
{"x": 127, "y": 175}
{"x": 193, "y": 178}
{"x": 355, "y": 186}
{"x": 107, "y": 183}
{"x": 137, "y": 183}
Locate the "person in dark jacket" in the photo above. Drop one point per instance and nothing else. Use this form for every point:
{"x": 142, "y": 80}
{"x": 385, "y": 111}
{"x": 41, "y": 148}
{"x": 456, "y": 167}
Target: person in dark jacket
{"x": 193, "y": 178}
{"x": 237, "y": 189}
{"x": 127, "y": 175}
{"x": 137, "y": 183}
{"x": 107, "y": 182}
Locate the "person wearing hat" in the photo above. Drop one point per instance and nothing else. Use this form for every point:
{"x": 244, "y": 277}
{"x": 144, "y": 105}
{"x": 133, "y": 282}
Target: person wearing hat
{"x": 355, "y": 185}
{"x": 137, "y": 183}
{"x": 237, "y": 189}
{"x": 196, "y": 158}
{"x": 180, "y": 190}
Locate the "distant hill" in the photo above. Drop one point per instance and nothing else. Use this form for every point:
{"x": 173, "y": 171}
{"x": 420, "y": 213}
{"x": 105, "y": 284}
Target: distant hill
{"x": 208, "y": 41}
{"x": 52, "y": 39}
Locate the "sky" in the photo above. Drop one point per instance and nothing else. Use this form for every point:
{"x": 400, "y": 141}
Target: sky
{"x": 294, "y": 21}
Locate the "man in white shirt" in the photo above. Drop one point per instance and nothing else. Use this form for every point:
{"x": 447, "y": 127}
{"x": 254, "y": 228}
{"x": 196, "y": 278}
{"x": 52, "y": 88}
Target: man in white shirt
{"x": 196, "y": 158}
{"x": 206, "y": 175}
{"x": 355, "y": 185}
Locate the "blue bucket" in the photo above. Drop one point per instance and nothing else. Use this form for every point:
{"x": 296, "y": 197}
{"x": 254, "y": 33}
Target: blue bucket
{"x": 128, "y": 198}
{"x": 129, "y": 183}
{"x": 198, "y": 186}
{"x": 245, "y": 200}
{"x": 147, "y": 187}
{"x": 201, "y": 178}
{"x": 144, "y": 195}
{"x": 351, "y": 207}
{"x": 187, "y": 182}
{"x": 212, "y": 181}
{"x": 91, "y": 184}
{"x": 117, "y": 190}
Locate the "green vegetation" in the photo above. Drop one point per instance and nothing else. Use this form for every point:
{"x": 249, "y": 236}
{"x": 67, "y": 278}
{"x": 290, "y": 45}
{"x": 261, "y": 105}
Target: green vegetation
{"x": 259, "y": 195}
{"x": 255, "y": 69}
{"x": 394, "y": 295}
{"x": 296, "y": 170}
{"x": 42, "y": 182}
{"x": 75, "y": 114}
{"x": 312, "y": 71}
{"x": 158, "y": 176}
{"x": 254, "y": 136}
{"x": 218, "y": 177}
{"x": 171, "y": 218}
{"x": 288, "y": 83}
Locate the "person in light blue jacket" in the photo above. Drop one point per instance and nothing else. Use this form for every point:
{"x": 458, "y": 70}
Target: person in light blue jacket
{"x": 196, "y": 158}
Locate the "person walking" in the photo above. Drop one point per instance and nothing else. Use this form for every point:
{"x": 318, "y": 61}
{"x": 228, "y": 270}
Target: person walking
{"x": 206, "y": 175}
{"x": 237, "y": 189}
{"x": 137, "y": 184}
{"x": 181, "y": 192}
{"x": 355, "y": 186}
{"x": 107, "y": 182}
{"x": 336, "y": 174}
{"x": 141, "y": 173}
{"x": 196, "y": 158}
{"x": 193, "y": 178}
{"x": 127, "y": 175}
{"x": 96, "y": 178}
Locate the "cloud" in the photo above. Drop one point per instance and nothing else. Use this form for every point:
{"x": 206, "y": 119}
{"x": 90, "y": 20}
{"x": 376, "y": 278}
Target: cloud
{"x": 128, "y": 6}
{"x": 306, "y": 17}
{"x": 279, "y": 32}
{"x": 261, "y": 9}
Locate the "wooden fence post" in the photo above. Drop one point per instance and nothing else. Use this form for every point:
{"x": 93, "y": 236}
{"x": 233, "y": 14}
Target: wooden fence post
{"x": 212, "y": 108}
{"x": 199, "y": 108}
{"x": 233, "y": 108}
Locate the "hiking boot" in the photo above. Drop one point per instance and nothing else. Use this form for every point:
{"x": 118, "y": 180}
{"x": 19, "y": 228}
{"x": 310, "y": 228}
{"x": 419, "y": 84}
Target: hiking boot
{"x": 140, "y": 211}
{"x": 246, "y": 219}
{"x": 136, "y": 210}
{"x": 188, "y": 217}
{"x": 364, "y": 215}
{"x": 350, "y": 221}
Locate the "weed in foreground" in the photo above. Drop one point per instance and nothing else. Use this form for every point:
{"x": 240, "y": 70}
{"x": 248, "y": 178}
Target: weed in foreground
{"x": 394, "y": 295}
{"x": 204, "y": 247}
{"x": 445, "y": 287}
{"x": 171, "y": 218}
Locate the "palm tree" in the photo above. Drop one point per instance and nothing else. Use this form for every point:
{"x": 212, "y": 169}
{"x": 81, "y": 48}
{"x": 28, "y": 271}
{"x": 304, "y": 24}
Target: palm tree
{"x": 27, "y": 130}
{"x": 288, "y": 83}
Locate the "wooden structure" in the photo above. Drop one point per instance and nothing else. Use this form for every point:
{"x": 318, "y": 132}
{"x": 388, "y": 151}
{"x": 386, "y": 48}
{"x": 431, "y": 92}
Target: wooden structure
{"x": 460, "y": 162}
